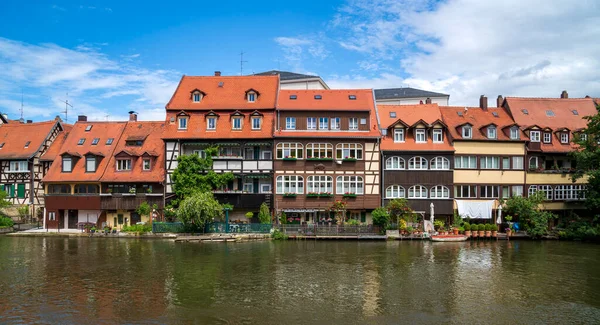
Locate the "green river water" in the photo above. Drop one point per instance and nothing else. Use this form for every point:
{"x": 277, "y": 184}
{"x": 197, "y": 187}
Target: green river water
{"x": 99, "y": 280}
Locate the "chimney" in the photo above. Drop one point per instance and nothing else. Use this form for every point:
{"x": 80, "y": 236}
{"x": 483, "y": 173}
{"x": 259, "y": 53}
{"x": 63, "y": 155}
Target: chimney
{"x": 132, "y": 116}
{"x": 483, "y": 102}
{"x": 29, "y": 121}
{"x": 499, "y": 101}
{"x": 81, "y": 118}
{"x": 428, "y": 100}
{"x": 564, "y": 94}
{"x": 217, "y": 73}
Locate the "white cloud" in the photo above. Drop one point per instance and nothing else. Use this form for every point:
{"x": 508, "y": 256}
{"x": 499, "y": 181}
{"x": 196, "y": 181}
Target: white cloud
{"x": 55, "y": 7}
{"x": 298, "y": 49}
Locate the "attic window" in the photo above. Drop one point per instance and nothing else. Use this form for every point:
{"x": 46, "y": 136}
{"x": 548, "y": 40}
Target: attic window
{"x": 352, "y": 97}
{"x": 491, "y": 132}
{"x": 134, "y": 143}
{"x": 81, "y": 141}
{"x": 221, "y": 84}
{"x": 575, "y": 112}
{"x": 197, "y": 96}
{"x": 466, "y": 132}
{"x": 495, "y": 114}
{"x": 251, "y": 97}
{"x": 293, "y": 97}
{"x": 1, "y": 145}
{"x": 318, "y": 97}
{"x": 27, "y": 144}
{"x": 109, "y": 141}
{"x": 393, "y": 114}
{"x": 526, "y": 112}
{"x": 549, "y": 113}
{"x": 95, "y": 141}
{"x": 88, "y": 128}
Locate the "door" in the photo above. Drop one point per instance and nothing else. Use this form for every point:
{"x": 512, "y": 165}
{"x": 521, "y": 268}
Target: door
{"x": 61, "y": 219}
{"x": 73, "y": 217}
{"x": 256, "y": 153}
{"x": 135, "y": 218}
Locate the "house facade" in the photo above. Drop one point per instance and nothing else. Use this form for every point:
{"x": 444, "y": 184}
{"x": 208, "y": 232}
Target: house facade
{"x": 326, "y": 150}
{"x": 235, "y": 114}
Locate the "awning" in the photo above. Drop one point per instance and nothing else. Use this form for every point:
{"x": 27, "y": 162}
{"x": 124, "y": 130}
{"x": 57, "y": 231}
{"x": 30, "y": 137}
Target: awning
{"x": 227, "y": 144}
{"x": 196, "y": 143}
{"x": 257, "y": 176}
{"x": 302, "y": 210}
{"x": 258, "y": 144}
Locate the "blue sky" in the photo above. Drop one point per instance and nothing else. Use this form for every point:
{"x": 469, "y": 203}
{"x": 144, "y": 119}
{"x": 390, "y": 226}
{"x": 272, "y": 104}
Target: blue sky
{"x": 116, "y": 56}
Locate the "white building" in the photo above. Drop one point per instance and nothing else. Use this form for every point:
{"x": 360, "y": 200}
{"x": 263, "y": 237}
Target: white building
{"x": 292, "y": 80}
{"x": 409, "y": 96}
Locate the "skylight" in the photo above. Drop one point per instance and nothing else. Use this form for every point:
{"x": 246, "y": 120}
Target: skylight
{"x": 393, "y": 114}
{"x": 81, "y": 141}
{"x": 459, "y": 113}
{"x": 88, "y": 128}
{"x": 293, "y": 97}
{"x": 549, "y": 113}
{"x": 575, "y": 112}
{"x": 221, "y": 83}
{"x": 95, "y": 141}
{"x": 1, "y": 145}
{"x": 525, "y": 111}
{"x": 318, "y": 97}
{"x": 495, "y": 114}
{"x": 352, "y": 97}
{"x": 27, "y": 144}
{"x": 109, "y": 141}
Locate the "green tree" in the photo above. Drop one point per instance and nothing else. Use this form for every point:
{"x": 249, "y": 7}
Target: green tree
{"x": 588, "y": 161}
{"x": 399, "y": 209}
{"x": 381, "y": 217}
{"x": 3, "y": 202}
{"x": 532, "y": 218}
{"x": 144, "y": 209}
{"x": 195, "y": 174}
{"x": 264, "y": 214}
{"x": 199, "y": 208}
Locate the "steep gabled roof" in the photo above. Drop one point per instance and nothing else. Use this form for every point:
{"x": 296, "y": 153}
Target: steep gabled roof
{"x": 53, "y": 152}
{"x": 408, "y": 114}
{"x": 325, "y": 99}
{"x": 561, "y": 108}
{"x": 14, "y": 136}
{"x": 286, "y": 75}
{"x": 478, "y": 118}
{"x": 405, "y": 92}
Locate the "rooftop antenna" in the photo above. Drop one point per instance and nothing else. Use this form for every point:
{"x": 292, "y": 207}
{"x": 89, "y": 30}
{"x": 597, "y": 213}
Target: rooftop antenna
{"x": 66, "y": 111}
{"x": 242, "y": 63}
{"x": 107, "y": 115}
{"x": 21, "y": 103}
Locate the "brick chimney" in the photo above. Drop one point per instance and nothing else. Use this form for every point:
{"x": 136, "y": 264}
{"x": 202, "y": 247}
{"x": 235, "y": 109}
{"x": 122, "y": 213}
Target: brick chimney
{"x": 483, "y": 102}
{"x": 217, "y": 73}
{"x": 564, "y": 94}
{"x": 428, "y": 100}
{"x": 81, "y": 118}
{"x": 499, "y": 101}
{"x": 132, "y": 116}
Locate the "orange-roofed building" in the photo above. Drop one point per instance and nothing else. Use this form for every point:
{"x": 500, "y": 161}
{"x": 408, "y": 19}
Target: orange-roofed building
{"x": 418, "y": 158}
{"x": 21, "y": 170}
{"x": 326, "y": 149}
{"x": 236, "y": 114}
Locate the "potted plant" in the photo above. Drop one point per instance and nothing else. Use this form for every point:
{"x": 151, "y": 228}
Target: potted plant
{"x": 494, "y": 230}
{"x": 93, "y": 230}
{"x": 488, "y": 230}
{"x": 481, "y": 229}
{"x": 410, "y": 230}
{"x": 109, "y": 191}
{"x": 438, "y": 225}
{"x": 461, "y": 230}
{"x": 455, "y": 230}
{"x": 249, "y": 215}
{"x": 402, "y": 226}
{"x": 467, "y": 227}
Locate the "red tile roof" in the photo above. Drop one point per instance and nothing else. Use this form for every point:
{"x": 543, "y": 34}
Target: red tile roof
{"x": 231, "y": 95}
{"x": 197, "y": 126}
{"x": 101, "y": 130}
{"x": 479, "y": 120}
{"x": 52, "y": 153}
{"x": 14, "y": 136}
{"x": 331, "y": 100}
{"x": 152, "y": 148}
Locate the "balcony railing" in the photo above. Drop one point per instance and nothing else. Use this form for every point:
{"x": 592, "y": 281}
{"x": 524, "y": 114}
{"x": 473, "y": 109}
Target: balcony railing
{"x": 129, "y": 201}
{"x": 243, "y": 200}
{"x": 243, "y": 165}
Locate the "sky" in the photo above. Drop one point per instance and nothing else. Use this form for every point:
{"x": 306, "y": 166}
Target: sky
{"x": 110, "y": 57}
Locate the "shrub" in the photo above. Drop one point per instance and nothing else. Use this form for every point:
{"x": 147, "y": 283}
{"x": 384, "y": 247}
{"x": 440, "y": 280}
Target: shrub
{"x": 6, "y": 222}
{"x": 249, "y": 215}
{"x": 264, "y": 215}
{"x": 353, "y": 222}
{"x": 467, "y": 226}
{"x": 278, "y": 235}
{"x": 138, "y": 228}
{"x": 381, "y": 217}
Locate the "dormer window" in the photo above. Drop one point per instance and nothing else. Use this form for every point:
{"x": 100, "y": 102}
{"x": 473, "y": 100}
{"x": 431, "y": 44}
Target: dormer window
{"x": 90, "y": 164}
{"x": 211, "y": 123}
{"x": 564, "y": 138}
{"x": 27, "y": 144}
{"x": 438, "y": 135}
{"x": 146, "y": 164}
{"x": 547, "y": 137}
{"x": 420, "y": 136}
{"x": 81, "y": 142}
{"x": 183, "y": 122}
{"x": 197, "y": 96}
{"x": 467, "y": 132}
{"x": 352, "y": 97}
{"x": 256, "y": 121}
{"x": 393, "y": 114}
{"x": 236, "y": 123}
{"x": 67, "y": 164}
{"x": 1, "y": 145}
{"x": 123, "y": 164}
{"x": 491, "y": 132}
{"x": 534, "y": 136}
{"x": 318, "y": 97}
{"x": 399, "y": 135}
{"x": 514, "y": 133}
{"x": 582, "y": 136}
{"x": 251, "y": 97}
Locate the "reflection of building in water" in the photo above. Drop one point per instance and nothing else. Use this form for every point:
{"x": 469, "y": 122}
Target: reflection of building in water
{"x": 371, "y": 289}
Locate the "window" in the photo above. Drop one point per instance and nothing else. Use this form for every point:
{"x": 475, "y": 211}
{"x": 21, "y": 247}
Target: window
{"x": 9, "y": 189}
{"x": 533, "y": 162}
{"x": 395, "y": 163}
{"x": 59, "y": 189}
{"x": 290, "y": 123}
{"x": 353, "y": 123}
{"x": 534, "y": 136}
{"x": 86, "y": 189}
{"x": 230, "y": 151}
{"x": 440, "y": 163}
{"x": 569, "y": 192}
{"x": 517, "y": 163}
{"x": 398, "y": 135}
{"x": 318, "y": 96}
{"x": 514, "y": 133}
{"x": 109, "y": 141}
{"x": 547, "y": 137}
{"x": 465, "y": 162}
{"x": 363, "y": 121}
{"x": 549, "y": 113}
{"x": 583, "y": 137}
{"x": 81, "y": 141}
{"x": 349, "y": 184}
{"x": 183, "y": 123}
{"x": 289, "y": 150}
{"x": 349, "y": 150}
{"x": 1, "y": 145}
{"x": 248, "y": 187}
{"x": 517, "y": 190}
{"x": 290, "y": 184}
{"x": 466, "y": 132}
{"x": 236, "y": 123}
{"x": 319, "y": 184}
{"x": 66, "y": 164}
{"x": 439, "y": 192}
{"x": 251, "y": 97}
{"x": 488, "y": 162}
{"x": 90, "y": 164}
{"x": 88, "y": 128}
{"x": 547, "y": 189}
{"x": 201, "y": 153}
{"x": 489, "y": 191}
{"x": 197, "y": 97}
{"x": 293, "y": 97}
{"x": 256, "y": 123}
{"x": 323, "y": 123}
{"x": 564, "y": 137}
{"x": 465, "y": 191}
{"x": 18, "y": 166}
{"x": 438, "y": 135}
{"x": 352, "y": 97}
{"x": 319, "y": 150}
{"x": 51, "y": 216}
{"x": 505, "y": 162}
{"x": 417, "y": 192}
{"x": 211, "y": 123}
{"x": 393, "y": 114}
{"x": 394, "y": 192}
{"x": 335, "y": 123}
{"x": 123, "y": 164}
{"x": 491, "y": 132}
{"x": 265, "y": 188}
{"x": 146, "y": 164}
{"x": 95, "y": 141}
{"x": 505, "y": 192}
{"x": 27, "y": 144}
{"x": 416, "y": 163}
{"x": 311, "y": 123}
{"x": 267, "y": 155}
{"x": 420, "y": 136}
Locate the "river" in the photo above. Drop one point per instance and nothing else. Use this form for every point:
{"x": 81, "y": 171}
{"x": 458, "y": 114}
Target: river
{"x": 98, "y": 280}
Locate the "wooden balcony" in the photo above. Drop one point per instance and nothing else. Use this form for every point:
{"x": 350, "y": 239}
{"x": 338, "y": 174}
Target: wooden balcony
{"x": 244, "y": 200}
{"x": 243, "y": 166}
{"x": 129, "y": 201}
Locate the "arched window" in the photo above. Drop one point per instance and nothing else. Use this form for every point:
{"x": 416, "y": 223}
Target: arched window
{"x": 440, "y": 163}
{"x": 349, "y": 184}
{"x": 394, "y": 192}
{"x": 290, "y": 184}
{"x": 439, "y": 192}
{"x": 319, "y": 184}
{"x": 349, "y": 150}
{"x": 395, "y": 163}
{"x": 417, "y": 192}
{"x": 319, "y": 150}
{"x": 290, "y": 150}
{"x": 417, "y": 163}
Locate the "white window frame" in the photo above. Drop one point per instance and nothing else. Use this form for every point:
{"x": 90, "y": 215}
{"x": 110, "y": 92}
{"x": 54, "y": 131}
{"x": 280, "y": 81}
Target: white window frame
{"x": 18, "y": 166}
{"x": 547, "y": 137}
{"x": 467, "y": 132}
{"x": 266, "y": 155}
{"x": 234, "y": 120}
{"x": 88, "y": 160}
{"x": 248, "y": 185}
{"x": 423, "y": 164}
{"x": 564, "y": 137}
{"x": 262, "y": 188}
{"x": 335, "y": 123}
{"x": 518, "y": 163}
{"x": 256, "y": 119}
{"x": 490, "y": 191}
{"x": 319, "y": 150}
{"x": 350, "y": 150}
{"x": 323, "y": 123}
{"x": 547, "y": 189}
{"x": 52, "y": 216}
{"x": 353, "y": 123}
{"x": 395, "y": 192}
{"x": 491, "y": 132}
{"x": 211, "y": 120}
{"x": 290, "y": 123}
{"x": 70, "y": 164}
{"x": 489, "y": 162}
{"x": 290, "y": 149}
{"x": 517, "y": 190}
{"x": 438, "y": 136}
{"x": 420, "y": 136}
{"x": 471, "y": 191}
{"x": 251, "y": 97}
{"x": 201, "y": 153}
{"x": 439, "y": 192}
{"x": 295, "y": 184}
{"x": 350, "y": 184}
{"x": 123, "y": 164}
{"x": 537, "y": 163}
{"x": 505, "y": 163}
{"x": 399, "y": 135}
{"x": 417, "y": 189}
{"x": 144, "y": 161}
{"x": 311, "y": 123}
{"x": 395, "y": 163}
{"x": 197, "y": 97}
{"x": 534, "y": 136}
{"x": 319, "y": 184}
{"x": 469, "y": 161}
{"x": 514, "y": 133}
{"x": 182, "y": 123}
{"x": 439, "y": 163}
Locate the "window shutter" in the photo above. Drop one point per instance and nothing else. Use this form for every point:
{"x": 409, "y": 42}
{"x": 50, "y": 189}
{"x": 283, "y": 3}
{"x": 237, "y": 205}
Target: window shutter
{"x": 12, "y": 190}
{"x": 363, "y": 216}
{"x": 21, "y": 191}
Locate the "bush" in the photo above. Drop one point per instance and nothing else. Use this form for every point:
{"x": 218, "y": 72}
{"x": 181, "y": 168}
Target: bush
{"x": 353, "y": 222}
{"x": 138, "y": 228}
{"x": 278, "y": 235}
{"x": 264, "y": 215}
{"x": 6, "y": 222}
{"x": 249, "y": 215}
{"x": 480, "y": 227}
{"x": 467, "y": 226}
{"x": 381, "y": 217}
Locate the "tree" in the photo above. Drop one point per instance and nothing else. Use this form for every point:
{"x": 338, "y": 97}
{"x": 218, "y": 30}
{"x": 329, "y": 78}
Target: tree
{"x": 532, "y": 218}
{"x": 3, "y": 202}
{"x": 144, "y": 209}
{"x": 381, "y": 217}
{"x": 199, "y": 208}
{"x": 194, "y": 174}
{"x": 588, "y": 161}
{"x": 339, "y": 211}
{"x": 399, "y": 209}
{"x": 264, "y": 215}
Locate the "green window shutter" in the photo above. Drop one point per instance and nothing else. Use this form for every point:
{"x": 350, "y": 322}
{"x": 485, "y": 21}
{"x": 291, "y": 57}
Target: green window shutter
{"x": 12, "y": 190}
{"x": 21, "y": 191}
{"x": 363, "y": 217}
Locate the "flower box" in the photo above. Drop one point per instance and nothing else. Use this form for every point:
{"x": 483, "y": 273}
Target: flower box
{"x": 350, "y": 159}
{"x": 349, "y": 195}
{"x": 290, "y": 159}
{"x": 312, "y": 195}
{"x": 289, "y": 195}
{"x": 319, "y": 159}
{"x": 325, "y": 195}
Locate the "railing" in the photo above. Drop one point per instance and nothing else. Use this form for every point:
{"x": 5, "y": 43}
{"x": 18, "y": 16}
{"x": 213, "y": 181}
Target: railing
{"x": 329, "y": 230}
{"x": 243, "y": 200}
{"x": 162, "y": 227}
{"x": 220, "y": 227}
{"x": 239, "y": 165}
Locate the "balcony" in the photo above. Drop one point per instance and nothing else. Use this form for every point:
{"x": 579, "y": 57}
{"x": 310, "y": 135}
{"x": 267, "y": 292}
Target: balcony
{"x": 243, "y": 166}
{"x": 244, "y": 200}
{"x": 129, "y": 201}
